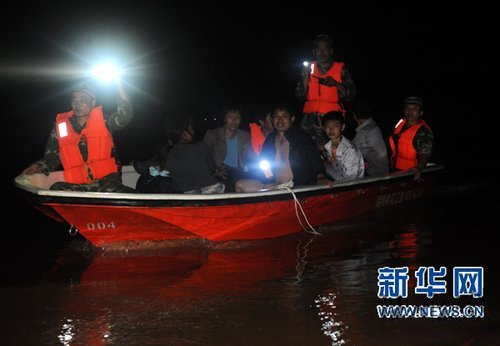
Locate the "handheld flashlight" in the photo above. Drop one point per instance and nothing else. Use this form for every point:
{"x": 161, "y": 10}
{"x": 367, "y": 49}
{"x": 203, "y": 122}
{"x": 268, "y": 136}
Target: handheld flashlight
{"x": 106, "y": 72}
{"x": 266, "y": 168}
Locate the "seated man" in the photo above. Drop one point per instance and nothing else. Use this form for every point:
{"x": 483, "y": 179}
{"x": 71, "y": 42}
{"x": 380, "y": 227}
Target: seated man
{"x": 82, "y": 144}
{"x": 229, "y": 147}
{"x": 291, "y": 154}
{"x": 369, "y": 140}
{"x": 343, "y": 160}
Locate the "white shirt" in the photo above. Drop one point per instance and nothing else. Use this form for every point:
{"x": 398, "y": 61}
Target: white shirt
{"x": 370, "y": 142}
{"x": 348, "y": 163}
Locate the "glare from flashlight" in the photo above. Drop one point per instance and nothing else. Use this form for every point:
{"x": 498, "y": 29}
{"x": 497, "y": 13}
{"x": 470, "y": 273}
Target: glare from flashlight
{"x": 106, "y": 72}
{"x": 266, "y": 168}
{"x": 264, "y": 165}
{"x": 305, "y": 63}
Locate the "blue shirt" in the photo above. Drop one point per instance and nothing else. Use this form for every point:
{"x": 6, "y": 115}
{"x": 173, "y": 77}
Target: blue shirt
{"x": 231, "y": 158}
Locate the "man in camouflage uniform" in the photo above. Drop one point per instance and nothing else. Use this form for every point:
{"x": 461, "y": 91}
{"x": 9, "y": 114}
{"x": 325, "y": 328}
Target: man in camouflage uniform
{"x": 346, "y": 89}
{"x": 82, "y": 101}
{"x": 422, "y": 139}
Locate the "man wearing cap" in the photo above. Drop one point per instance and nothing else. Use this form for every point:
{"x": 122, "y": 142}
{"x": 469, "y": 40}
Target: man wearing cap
{"x": 325, "y": 85}
{"x": 411, "y": 139}
{"x": 81, "y": 143}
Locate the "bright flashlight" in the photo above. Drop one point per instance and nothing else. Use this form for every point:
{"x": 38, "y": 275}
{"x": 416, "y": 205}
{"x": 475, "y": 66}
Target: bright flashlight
{"x": 266, "y": 168}
{"x": 305, "y": 63}
{"x": 264, "y": 165}
{"x": 106, "y": 72}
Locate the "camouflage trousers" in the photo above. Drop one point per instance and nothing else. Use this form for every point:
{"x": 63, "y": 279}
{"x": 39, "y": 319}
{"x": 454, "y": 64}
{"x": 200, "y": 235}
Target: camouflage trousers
{"x": 311, "y": 124}
{"x": 110, "y": 183}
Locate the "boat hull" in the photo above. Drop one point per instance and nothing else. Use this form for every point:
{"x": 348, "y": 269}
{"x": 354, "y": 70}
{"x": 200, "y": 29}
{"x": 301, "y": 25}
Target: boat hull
{"x": 107, "y": 222}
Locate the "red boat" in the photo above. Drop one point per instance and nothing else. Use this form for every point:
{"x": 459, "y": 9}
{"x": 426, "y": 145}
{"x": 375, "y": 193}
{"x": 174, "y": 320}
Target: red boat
{"x": 122, "y": 220}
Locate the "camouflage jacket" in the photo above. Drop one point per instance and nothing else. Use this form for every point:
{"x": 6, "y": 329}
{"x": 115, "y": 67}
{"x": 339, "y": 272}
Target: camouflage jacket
{"x": 423, "y": 141}
{"x": 346, "y": 90}
{"x": 114, "y": 122}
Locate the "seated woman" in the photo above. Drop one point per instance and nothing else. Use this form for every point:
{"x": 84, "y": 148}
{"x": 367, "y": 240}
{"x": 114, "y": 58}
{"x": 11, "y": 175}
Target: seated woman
{"x": 185, "y": 161}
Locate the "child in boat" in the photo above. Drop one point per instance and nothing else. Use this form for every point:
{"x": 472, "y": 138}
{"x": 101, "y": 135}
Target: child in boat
{"x": 186, "y": 162}
{"x": 342, "y": 160}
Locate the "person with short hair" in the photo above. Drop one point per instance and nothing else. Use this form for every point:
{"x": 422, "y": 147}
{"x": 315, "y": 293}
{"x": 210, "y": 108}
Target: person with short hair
{"x": 343, "y": 160}
{"x": 290, "y": 153}
{"x": 325, "y": 85}
{"x": 369, "y": 139}
{"x": 411, "y": 139}
{"x": 81, "y": 143}
{"x": 228, "y": 146}
{"x": 259, "y": 130}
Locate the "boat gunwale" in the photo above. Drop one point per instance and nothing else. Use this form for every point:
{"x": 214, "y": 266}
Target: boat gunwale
{"x": 150, "y": 199}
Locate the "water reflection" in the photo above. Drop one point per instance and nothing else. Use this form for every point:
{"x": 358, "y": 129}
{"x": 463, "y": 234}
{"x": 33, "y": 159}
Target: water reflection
{"x": 302, "y": 252}
{"x": 405, "y": 245}
{"x": 67, "y": 332}
{"x": 297, "y": 290}
{"x": 181, "y": 290}
{"x": 332, "y": 326}
{"x": 179, "y": 294}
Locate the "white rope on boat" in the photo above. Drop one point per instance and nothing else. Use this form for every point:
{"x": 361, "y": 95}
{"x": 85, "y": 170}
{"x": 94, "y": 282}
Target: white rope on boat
{"x": 310, "y": 229}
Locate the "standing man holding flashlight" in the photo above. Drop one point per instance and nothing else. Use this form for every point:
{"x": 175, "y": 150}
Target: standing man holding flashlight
{"x": 325, "y": 85}
{"x": 81, "y": 143}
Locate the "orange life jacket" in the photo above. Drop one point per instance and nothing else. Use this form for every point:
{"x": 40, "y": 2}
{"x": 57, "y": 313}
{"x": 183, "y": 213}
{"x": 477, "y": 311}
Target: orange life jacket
{"x": 99, "y": 144}
{"x": 257, "y": 138}
{"x": 321, "y": 98}
{"x": 405, "y": 153}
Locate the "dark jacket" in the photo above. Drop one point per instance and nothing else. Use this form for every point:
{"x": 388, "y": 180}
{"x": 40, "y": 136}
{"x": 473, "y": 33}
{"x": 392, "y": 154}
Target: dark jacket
{"x": 305, "y": 159}
{"x": 191, "y": 166}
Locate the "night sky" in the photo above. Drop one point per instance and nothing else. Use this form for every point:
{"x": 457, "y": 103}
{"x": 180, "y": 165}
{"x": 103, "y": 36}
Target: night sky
{"x": 194, "y": 60}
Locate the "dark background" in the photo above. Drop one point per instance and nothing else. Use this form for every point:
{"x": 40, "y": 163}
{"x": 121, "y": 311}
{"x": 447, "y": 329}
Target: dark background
{"x": 192, "y": 60}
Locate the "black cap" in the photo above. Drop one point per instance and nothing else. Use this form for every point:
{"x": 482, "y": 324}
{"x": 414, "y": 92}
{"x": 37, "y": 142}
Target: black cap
{"x": 83, "y": 88}
{"x": 323, "y": 37}
{"x": 414, "y": 100}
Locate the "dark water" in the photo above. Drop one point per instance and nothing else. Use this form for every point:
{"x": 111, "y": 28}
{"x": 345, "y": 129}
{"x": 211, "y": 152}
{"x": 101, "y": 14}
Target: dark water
{"x": 298, "y": 290}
